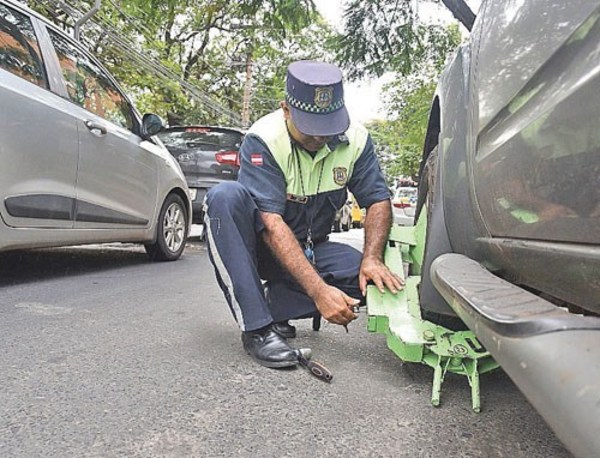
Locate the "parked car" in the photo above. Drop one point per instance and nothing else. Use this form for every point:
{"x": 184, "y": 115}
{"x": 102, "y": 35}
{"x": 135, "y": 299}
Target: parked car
{"x": 79, "y": 164}
{"x": 343, "y": 218}
{"x": 404, "y": 203}
{"x": 207, "y": 155}
{"x": 510, "y": 183}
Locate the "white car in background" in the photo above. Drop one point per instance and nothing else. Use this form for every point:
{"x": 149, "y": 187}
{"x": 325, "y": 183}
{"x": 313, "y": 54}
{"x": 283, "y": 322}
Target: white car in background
{"x": 404, "y": 203}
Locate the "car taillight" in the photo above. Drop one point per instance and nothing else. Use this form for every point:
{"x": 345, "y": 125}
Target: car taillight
{"x": 199, "y": 130}
{"x": 401, "y": 204}
{"x": 228, "y": 158}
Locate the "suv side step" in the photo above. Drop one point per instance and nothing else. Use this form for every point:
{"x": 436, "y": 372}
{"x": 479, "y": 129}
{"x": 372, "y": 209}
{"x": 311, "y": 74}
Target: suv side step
{"x": 552, "y": 355}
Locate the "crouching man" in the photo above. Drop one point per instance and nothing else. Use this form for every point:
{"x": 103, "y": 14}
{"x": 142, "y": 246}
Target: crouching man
{"x": 297, "y": 165}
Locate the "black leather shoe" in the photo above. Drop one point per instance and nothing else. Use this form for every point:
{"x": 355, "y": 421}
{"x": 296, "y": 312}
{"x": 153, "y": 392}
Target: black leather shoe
{"x": 284, "y": 329}
{"x": 269, "y": 349}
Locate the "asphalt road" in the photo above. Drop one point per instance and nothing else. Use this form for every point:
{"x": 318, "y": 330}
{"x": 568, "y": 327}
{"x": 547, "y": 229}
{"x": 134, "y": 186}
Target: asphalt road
{"x": 105, "y": 355}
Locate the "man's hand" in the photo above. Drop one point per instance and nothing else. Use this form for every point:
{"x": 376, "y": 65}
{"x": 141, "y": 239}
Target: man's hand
{"x": 377, "y": 228}
{"x": 334, "y": 305}
{"x": 374, "y": 269}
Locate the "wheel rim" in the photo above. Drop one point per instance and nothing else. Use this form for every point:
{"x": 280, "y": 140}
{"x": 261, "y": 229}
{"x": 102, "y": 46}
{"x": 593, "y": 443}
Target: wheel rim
{"x": 174, "y": 227}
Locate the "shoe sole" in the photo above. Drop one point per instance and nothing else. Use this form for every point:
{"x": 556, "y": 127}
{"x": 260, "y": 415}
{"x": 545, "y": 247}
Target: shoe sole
{"x": 273, "y": 364}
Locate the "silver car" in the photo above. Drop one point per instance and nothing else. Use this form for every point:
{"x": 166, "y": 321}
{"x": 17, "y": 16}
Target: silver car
{"x": 79, "y": 164}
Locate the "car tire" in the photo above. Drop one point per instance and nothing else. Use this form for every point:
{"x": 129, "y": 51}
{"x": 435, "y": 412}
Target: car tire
{"x": 336, "y": 226}
{"x": 346, "y": 227}
{"x": 171, "y": 231}
{"x": 427, "y": 189}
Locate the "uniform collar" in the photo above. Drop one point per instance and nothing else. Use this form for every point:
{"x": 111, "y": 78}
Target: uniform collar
{"x": 337, "y": 140}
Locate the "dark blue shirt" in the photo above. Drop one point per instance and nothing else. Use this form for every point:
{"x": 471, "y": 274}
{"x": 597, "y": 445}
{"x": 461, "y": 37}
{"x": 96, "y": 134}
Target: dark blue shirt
{"x": 264, "y": 179}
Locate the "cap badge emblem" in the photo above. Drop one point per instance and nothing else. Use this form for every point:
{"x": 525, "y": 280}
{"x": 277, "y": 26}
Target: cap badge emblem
{"x": 323, "y": 96}
{"x": 340, "y": 175}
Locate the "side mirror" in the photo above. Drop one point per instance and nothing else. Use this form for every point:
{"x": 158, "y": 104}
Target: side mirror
{"x": 151, "y": 125}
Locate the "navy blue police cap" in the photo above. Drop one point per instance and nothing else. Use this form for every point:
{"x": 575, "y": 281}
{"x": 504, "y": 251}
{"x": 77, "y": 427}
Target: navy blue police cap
{"x": 315, "y": 96}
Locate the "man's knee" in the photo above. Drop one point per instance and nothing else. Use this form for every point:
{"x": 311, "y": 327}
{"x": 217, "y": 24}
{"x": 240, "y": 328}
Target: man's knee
{"x": 353, "y": 257}
{"x": 337, "y": 257}
{"x": 228, "y": 194}
{"x": 231, "y": 203}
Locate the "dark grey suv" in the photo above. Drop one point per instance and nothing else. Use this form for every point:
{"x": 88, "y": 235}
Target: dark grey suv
{"x": 207, "y": 156}
{"x": 509, "y": 195}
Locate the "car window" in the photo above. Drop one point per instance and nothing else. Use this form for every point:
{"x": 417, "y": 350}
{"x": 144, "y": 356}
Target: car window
{"x": 203, "y": 139}
{"x": 88, "y": 85}
{"x": 19, "y": 50}
{"x": 406, "y": 192}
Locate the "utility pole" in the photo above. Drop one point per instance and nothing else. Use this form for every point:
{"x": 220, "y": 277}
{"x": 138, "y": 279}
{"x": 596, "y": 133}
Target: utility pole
{"x": 247, "y": 90}
{"x": 85, "y": 18}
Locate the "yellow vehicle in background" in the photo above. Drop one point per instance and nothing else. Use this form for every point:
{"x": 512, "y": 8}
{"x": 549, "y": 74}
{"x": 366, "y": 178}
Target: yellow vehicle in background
{"x": 358, "y": 215}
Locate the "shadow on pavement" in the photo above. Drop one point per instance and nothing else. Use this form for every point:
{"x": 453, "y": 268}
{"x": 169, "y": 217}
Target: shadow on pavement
{"x": 18, "y": 267}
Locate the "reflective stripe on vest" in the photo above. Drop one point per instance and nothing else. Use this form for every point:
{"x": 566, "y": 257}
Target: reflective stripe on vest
{"x": 338, "y": 165}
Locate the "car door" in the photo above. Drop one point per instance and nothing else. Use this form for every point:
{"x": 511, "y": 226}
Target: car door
{"x": 38, "y": 137}
{"x": 538, "y": 86}
{"x": 117, "y": 177}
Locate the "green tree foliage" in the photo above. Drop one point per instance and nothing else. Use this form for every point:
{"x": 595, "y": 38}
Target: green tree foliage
{"x": 386, "y": 36}
{"x": 400, "y": 140}
{"x": 205, "y": 44}
{"x": 408, "y": 103}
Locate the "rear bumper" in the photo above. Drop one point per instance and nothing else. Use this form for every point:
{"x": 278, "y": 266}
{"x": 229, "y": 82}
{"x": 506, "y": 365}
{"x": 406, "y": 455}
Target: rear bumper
{"x": 551, "y": 355}
{"x": 404, "y": 220}
{"x": 202, "y": 187}
{"x": 197, "y": 206}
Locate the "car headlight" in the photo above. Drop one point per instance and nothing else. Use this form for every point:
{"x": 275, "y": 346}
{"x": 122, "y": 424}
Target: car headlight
{"x": 193, "y": 192}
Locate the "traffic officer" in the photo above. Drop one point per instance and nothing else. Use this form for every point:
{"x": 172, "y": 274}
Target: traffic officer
{"x": 297, "y": 165}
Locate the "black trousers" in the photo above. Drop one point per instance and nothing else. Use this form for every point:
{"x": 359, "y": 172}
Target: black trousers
{"x": 242, "y": 262}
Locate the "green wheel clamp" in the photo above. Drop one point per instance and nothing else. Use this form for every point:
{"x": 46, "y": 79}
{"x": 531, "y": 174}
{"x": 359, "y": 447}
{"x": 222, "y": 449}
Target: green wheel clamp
{"x": 412, "y": 339}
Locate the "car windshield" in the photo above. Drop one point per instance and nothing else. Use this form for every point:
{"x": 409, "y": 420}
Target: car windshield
{"x": 405, "y": 192}
{"x": 203, "y": 139}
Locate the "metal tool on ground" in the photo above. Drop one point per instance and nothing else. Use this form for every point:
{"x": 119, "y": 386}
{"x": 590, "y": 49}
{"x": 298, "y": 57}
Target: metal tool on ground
{"x": 314, "y": 367}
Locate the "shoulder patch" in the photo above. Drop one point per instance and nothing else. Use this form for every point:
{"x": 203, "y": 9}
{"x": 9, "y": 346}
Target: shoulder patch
{"x": 256, "y": 159}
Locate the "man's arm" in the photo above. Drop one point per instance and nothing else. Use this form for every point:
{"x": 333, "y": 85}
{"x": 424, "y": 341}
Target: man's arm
{"x": 377, "y": 227}
{"x": 369, "y": 188}
{"x": 333, "y": 304}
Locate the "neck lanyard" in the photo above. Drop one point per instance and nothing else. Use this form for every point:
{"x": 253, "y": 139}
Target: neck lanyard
{"x": 308, "y": 244}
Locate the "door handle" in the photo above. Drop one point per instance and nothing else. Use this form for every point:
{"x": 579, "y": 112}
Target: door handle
{"x": 97, "y": 129}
